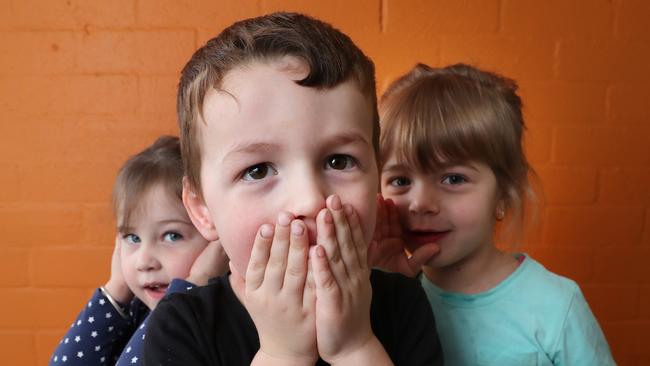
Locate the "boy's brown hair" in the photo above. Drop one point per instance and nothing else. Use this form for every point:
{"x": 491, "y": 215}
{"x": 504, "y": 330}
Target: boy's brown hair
{"x": 160, "y": 163}
{"x": 331, "y": 56}
{"x": 434, "y": 117}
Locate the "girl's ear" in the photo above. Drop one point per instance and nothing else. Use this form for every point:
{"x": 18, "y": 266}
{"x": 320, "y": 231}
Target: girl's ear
{"x": 198, "y": 212}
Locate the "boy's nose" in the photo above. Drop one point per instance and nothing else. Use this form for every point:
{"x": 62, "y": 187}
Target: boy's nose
{"x": 307, "y": 197}
{"x": 423, "y": 201}
{"x": 146, "y": 260}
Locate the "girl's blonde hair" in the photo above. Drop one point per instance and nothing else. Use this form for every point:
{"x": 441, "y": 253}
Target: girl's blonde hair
{"x": 433, "y": 117}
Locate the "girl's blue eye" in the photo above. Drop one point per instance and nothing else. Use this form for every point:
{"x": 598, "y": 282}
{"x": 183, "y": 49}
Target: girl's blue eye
{"x": 132, "y": 238}
{"x": 453, "y": 179}
{"x": 399, "y": 182}
{"x": 340, "y": 162}
{"x": 172, "y": 236}
{"x": 258, "y": 171}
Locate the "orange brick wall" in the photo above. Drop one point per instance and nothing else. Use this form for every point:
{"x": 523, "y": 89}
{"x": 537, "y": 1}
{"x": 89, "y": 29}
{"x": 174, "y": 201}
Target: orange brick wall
{"x": 84, "y": 84}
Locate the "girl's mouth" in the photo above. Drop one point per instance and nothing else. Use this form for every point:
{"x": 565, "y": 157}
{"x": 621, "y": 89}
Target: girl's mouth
{"x": 418, "y": 238}
{"x": 156, "y": 290}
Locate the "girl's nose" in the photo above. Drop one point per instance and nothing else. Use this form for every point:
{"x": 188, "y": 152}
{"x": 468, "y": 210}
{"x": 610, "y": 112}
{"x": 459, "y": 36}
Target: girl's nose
{"x": 424, "y": 201}
{"x": 147, "y": 260}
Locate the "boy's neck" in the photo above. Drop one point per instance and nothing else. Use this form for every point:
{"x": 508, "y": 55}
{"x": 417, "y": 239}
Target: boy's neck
{"x": 479, "y": 272}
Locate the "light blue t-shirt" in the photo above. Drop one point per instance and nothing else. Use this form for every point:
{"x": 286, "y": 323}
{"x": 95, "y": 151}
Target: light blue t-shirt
{"x": 533, "y": 317}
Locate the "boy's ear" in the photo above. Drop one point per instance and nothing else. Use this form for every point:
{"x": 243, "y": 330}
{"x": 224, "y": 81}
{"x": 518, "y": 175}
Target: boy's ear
{"x": 198, "y": 212}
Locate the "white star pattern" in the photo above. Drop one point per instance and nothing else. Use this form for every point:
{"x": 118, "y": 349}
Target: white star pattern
{"x": 108, "y": 315}
{"x": 97, "y": 348}
{"x": 134, "y": 360}
{"x": 80, "y": 354}
{"x": 93, "y": 334}
{"x": 128, "y": 349}
{"x": 56, "y": 358}
{"x": 77, "y": 339}
{"x": 102, "y": 302}
{"x": 64, "y": 358}
{"x": 90, "y": 304}
{"x": 66, "y": 340}
{"x": 102, "y": 359}
{"x": 79, "y": 322}
{"x": 110, "y": 329}
{"x": 91, "y": 319}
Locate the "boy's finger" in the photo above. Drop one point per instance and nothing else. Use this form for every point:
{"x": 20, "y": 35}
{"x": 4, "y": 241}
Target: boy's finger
{"x": 328, "y": 293}
{"x": 422, "y": 255}
{"x": 259, "y": 257}
{"x": 346, "y": 244}
{"x": 360, "y": 246}
{"x": 277, "y": 266}
{"x": 380, "y": 218}
{"x": 296, "y": 273}
{"x": 393, "y": 224}
{"x": 326, "y": 238}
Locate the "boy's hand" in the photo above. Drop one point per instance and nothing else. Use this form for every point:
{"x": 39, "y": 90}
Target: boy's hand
{"x": 342, "y": 277}
{"x": 212, "y": 262}
{"x": 276, "y": 297}
{"x": 388, "y": 250}
{"x": 116, "y": 285}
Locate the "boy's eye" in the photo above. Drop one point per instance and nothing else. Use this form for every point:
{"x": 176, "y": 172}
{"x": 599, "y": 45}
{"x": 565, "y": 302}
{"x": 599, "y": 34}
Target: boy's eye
{"x": 132, "y": 238}
{"x": 172, "y": 236}
{"x": 340, "y": 162}
{"x": 399, "y": 182}
{"x": 453, "y": 179}
{"x": 258, "y": 171}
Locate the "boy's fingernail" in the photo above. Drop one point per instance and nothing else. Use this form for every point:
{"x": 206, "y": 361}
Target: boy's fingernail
{"x": 328, "y": 217}
{"x": 320, "y": 251}
{"x": 335, "y": 203}
{"x": 266, "y": 231}
{"x": 284, "y": 219}
{"x": 348, "y": 210}
{"x": 296, "y": 228}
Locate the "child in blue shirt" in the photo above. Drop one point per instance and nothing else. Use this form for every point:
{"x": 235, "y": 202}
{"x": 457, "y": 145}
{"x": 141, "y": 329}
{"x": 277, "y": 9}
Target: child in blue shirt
{"x": 454, "y": 171}
{"x": 157, "y": 251}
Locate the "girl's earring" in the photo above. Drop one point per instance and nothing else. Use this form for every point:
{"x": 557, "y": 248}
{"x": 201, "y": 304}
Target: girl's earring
{"x": 499, "y": 214}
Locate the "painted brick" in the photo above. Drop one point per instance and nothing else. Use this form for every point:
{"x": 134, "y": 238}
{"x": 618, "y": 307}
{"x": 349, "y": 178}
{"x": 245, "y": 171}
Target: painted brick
{"x": 627, "y": 103}
{"x": 557, "y": 18}
{"x": 46, "y": 342}
{"x": 158, "y": 97}
{"x": 56, "y": 14}
{"x": 625, "y": 186}
{"x": 564, "y": 103}
{"x": 66, "y": 182}
{"x": 30, "y": 49}
{"x": 605, "y": 60}
{"x": 335, "y": 12}
{"x": 15, "y": 266}
{"x": 613, "y": 302}
{"x": 98, "y": 225}
{"x": 9, "y": 177}
{"x": 602, "y": 145}
{"x": 40, "y": 224}
{"x": 537, "y": 143}
{"x": 142, "y": 52}
{"x": 17, "y": 348}
{"x": 70, "y": 267}
{"x": 187, "y": 13}
{"x": 621, "y": 265}
{"x": 40, "y": 309}
{"x": 568, "y": 185}
{"x": 645, "y": 302}
{"x": 594, "y": 226}
{"x": 68, "y": 96}
{"x": 524, "y": 57}
{"x": 576, "y": 263}
{"x": 632, "y": 19}
{"x": 646, "y": 228}
{"x": 437, "y": 17}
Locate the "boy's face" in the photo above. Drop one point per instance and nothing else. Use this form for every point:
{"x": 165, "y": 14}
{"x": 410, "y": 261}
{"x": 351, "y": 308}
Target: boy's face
{"x": 270, "y": 145}
{"x": 160, "y": 245}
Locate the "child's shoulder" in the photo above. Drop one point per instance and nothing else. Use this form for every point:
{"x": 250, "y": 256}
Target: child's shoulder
{"x": 537, "y": 282}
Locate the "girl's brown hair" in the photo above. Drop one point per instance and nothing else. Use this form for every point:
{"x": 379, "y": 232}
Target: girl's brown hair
{"x": 433, "y": 117}
{"x": 160, "y": 163}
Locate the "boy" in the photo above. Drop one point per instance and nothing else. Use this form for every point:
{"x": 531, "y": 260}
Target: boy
{"x": 279, "y": 125}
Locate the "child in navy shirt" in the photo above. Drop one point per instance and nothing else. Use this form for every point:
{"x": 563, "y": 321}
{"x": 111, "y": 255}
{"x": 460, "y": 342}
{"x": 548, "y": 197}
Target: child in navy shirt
{"x": 157, "y": 251}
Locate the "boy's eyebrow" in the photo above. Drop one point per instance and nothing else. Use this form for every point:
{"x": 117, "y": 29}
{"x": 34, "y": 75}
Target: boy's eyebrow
{"x": 250, "y": 147}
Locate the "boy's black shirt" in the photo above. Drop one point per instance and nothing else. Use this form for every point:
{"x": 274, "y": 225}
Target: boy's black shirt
{"x": 209, "y": 326}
